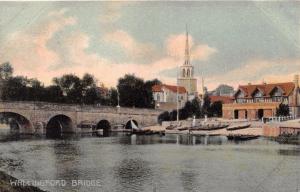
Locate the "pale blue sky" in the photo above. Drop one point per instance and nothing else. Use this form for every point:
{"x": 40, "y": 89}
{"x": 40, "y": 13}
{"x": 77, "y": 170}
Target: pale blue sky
{"x": 244, "y": 35}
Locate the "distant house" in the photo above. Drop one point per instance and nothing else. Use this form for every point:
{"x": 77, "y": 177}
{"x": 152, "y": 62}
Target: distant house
{"x": 223, "y": 90}
{"x": 165, "y": 96}
{"x": 262, "y": 100}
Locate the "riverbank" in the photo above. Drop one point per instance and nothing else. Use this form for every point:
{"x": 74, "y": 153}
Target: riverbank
{"x": 5, "y": 185}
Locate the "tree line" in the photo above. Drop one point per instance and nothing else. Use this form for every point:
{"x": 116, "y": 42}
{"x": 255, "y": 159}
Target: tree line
{"x": 194, "y": 108}
{"x": 69, "y": 88}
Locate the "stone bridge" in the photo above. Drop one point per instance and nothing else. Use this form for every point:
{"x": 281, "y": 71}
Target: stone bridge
{"x": 42, "y": 117}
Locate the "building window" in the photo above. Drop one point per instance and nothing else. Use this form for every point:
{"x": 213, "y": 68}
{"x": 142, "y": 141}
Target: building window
{"x": 183, "y": 73}
{"x": 188, "y": 73}
{"x": 258, "y": 96}
{"x": 158, "y": 97}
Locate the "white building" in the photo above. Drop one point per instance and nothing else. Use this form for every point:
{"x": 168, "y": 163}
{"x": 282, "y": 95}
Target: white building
{"x": 165, "y": 96}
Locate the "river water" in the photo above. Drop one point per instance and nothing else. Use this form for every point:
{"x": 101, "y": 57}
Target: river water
{"x": 168, "y": 163}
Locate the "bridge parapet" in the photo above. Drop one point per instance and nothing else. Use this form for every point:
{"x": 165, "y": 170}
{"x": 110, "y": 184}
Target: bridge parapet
{"x": 73, "y": 107}
{"x": 39, "y": 114}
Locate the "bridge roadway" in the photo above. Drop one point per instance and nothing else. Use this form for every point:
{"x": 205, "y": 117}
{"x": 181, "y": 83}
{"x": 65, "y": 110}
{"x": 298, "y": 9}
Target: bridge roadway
{"x": 41, "y": 117}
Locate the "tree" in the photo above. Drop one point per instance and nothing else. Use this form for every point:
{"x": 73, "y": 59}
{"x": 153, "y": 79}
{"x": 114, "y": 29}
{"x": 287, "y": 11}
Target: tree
{"x": 91, "y": 96}
{"x": 205, "y": 107}
{"x": 164, "y": 116}
{"x": 71, "y": 86}
{"x": 14, "y": 89}
{"x": 283, "y": 110}
{"x": 89, "y": 89}
{"x": 173, "y": 115}
{"x": 131, "y": 91}
{"x": 113, "y": 98}
{"x": 53, "y": 93}
{"x": 6, "y": 71}
{"x": 215, "y": 109}
{"x": 148, "y": 97}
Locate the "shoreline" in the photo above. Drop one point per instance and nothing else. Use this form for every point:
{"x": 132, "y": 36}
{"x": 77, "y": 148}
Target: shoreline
{"x": 5, "y": 185}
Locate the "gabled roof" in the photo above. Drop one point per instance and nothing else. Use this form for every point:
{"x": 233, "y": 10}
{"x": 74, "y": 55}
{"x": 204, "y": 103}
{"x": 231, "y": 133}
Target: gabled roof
{"x": 223, "y": 99}
{"x": 173, "y": 88}
{"x": 266, "y": 89}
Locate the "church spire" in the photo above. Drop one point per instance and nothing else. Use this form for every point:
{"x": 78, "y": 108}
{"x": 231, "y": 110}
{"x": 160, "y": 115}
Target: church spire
{"x": 187, "y": 49}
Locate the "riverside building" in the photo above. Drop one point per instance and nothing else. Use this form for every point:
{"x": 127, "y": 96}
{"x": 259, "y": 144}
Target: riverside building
{"x": 263, "y": 100}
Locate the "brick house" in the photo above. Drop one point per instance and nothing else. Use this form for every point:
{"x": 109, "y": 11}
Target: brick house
{"x": 262, "y": 100}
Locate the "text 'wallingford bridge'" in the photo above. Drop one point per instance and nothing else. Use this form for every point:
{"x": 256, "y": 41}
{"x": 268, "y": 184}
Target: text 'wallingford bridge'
{"x": 40, "y": 117}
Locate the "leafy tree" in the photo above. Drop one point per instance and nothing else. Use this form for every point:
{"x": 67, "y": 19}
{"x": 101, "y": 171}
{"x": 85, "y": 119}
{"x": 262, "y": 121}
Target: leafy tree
{"x": 14, "y": 89}
{"x": 134, "y": 92}
{"x": 283, "y": 110}
{"x": 165, "y": 116}
{"x": 53, "y": 93}
{"x": 71, "y": 86}
{"x": 131, "y": 91}
{"x": 91, "y": 96}
{"x": 173, "y": 115}
{"x": 205, "y": 107}
{"x": 148, "y": 97}
{"x": 215, "y": 109}
{"x": 183, "y": 114}
{"x": 113, "y": 99}
{"x": 6, "y": 71}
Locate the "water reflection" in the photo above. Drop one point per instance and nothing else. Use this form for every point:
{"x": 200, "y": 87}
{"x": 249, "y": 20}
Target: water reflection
{"x": 133, "y": 174}
{"x": 152, "y": 163}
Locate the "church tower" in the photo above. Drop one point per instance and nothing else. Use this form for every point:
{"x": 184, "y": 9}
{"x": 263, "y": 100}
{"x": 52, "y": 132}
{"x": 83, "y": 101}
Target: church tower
{"x": 186, "y": 75}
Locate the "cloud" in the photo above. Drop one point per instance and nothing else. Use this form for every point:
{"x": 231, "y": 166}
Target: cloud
{"x": 256, "y": 71}
{"x": 27, "y": 50}
{"x": 111, "y": 12}
{"x": 175, "y": 47}
{"x": 133, "y": 49}
{"x": 31, "y": 53}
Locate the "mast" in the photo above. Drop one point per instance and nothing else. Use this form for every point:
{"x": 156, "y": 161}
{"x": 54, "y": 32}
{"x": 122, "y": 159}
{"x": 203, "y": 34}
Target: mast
{"x": 177, "y": 95}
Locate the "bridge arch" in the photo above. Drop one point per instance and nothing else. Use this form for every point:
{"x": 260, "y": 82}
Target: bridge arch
{"x": 59, "y": 124}
{"x": 105, "y": 126}
{"x": 128, "y": 124}
{"x": 18, "y": 123}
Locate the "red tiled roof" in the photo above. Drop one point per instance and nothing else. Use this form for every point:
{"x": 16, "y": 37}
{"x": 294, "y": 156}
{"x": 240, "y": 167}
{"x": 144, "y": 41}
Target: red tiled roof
{"x": 266, "y": 89}
{"x": 173, "y": 88}
{"x": 223, "y": 99}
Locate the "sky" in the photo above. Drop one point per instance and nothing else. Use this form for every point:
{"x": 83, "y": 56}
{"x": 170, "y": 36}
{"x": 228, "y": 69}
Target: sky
{"x": 231, "y": 42}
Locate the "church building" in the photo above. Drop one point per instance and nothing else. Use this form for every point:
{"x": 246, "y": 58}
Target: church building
{"x": 186, "y": 75}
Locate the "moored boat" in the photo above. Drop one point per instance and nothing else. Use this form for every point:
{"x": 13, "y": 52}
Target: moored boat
{"x": 209, "y": 127}
{"x": 236, "y": 127}
{"x": 242, "y": 137}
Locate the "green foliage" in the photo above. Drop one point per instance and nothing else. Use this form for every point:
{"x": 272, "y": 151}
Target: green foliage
{"x": 283, "y": 110}
{"x": 134, "y": 92}
{"x": 194, "y": 108}
{"x": 6, "y": 71}
{"x": 69, "y": 88}
{"x": 205, "y": 107}
{"x": 215, "y": 109}
{"x": 165, "y": 116}
{"x": 113, "y": 100}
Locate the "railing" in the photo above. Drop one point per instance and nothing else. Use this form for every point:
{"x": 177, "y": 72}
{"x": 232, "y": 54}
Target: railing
{"x": 278, "y": 119}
